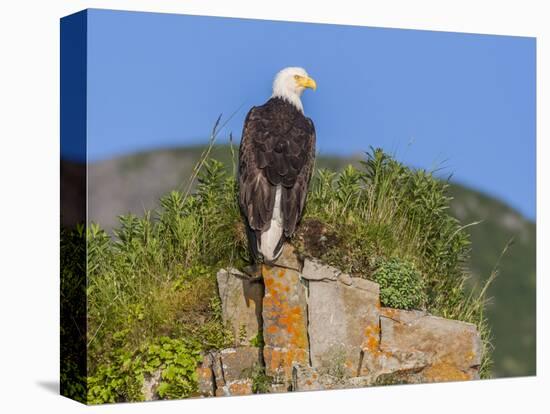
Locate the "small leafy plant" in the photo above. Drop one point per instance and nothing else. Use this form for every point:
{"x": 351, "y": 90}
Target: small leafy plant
{"x": 122, "y": 379}
{"x": 178, "y": 362}
{"x": 400, "y": 283}
{"x": 258, "y": 340}
{"x": 261, "y": 382}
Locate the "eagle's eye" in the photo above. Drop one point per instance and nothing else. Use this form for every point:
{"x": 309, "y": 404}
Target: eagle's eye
{"x": 296, "y": 77}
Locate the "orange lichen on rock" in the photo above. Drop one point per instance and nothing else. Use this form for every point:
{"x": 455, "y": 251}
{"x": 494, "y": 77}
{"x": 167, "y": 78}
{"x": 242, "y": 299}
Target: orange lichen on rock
{"x": 205, "y": 381}
{"x": 243, "y": 387}
{"x": 279, "y": 361}
{"x": 293, "y": 321}
{"x": 350, "y": 365}
{"x": 204, "y": 372}
{"x": 371, "y": 342}
{"x": 388, "y": 312}
{"x": 443, "y": 371}
{"x": 374, "y": 357}
{"x": 325, "y": 330}
{"x": 285, "y": 321}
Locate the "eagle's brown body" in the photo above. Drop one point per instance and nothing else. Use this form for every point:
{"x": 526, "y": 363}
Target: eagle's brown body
{"x": 277, "y": 149}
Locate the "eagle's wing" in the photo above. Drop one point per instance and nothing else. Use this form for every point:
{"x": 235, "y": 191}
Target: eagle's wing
{"x": 294, "y": 196}
{"x": 277, "y": 148}
{"x": 256, "y": 194}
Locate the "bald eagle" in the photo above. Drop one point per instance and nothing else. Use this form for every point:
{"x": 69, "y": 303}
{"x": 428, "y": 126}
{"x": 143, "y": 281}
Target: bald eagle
{"x": 276, "y": 157}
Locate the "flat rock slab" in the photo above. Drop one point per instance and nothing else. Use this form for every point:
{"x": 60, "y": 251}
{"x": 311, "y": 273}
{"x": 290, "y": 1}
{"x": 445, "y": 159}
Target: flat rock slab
{"x": 241, "y": 304}
{"x": 342, "y": 315}
{"x": 451, "y": 349}
{"x": 284, "y": 322}
{"x": 306, "y": 378}
{"x": 278, "y": 388}
{"x": 289, "y": 259}
{"x": 239, "y": 387}
{"x": 315, "y": 270}
{"x": 233, "y": 368}
{"x": 232, "y": 364}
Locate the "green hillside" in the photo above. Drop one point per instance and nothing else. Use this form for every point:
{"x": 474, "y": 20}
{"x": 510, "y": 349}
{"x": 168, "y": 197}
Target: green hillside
{"x": 513, "y": 309}
{"x": 135, "y": 183}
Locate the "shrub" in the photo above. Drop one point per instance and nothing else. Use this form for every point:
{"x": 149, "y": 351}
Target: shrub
{"x": 400, "y": 284}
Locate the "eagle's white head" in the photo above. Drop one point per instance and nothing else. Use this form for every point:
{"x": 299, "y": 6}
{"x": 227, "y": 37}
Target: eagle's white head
{"x": 290, "y": 83}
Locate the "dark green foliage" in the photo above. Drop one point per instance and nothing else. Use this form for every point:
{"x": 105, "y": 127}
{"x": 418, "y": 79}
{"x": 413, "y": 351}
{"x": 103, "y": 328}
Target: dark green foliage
{"x": 73, "y": 313}
{"x": 122, "y": 378}
{"x": 401, "y": 285}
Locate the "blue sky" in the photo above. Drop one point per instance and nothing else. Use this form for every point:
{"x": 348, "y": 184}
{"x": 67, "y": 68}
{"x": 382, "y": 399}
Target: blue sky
{"x": 459, "y": 101}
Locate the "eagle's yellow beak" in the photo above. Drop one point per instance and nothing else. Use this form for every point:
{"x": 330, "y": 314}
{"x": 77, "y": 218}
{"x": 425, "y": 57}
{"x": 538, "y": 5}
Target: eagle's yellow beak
{"x": 306, "y": 82}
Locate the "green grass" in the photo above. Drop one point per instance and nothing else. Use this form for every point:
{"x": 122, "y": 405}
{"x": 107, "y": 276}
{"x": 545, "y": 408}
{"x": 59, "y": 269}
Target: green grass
{"x": 156, "y": 277}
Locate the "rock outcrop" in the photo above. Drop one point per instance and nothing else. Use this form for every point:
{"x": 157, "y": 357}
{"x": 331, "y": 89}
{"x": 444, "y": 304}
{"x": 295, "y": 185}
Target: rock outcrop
{"x": 285, "y": 327}
{"x": 444, "y": 349}
{"x": 342, "y": 311}
{"x": 241, "y": 304}
{"x": 324, "y": 329}
{"x": 226, "y": 372}
{"x": 232, "y": 369}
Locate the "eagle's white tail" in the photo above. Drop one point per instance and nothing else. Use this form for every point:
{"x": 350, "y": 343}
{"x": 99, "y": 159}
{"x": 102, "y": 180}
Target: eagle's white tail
{"x": 270, "y": 238}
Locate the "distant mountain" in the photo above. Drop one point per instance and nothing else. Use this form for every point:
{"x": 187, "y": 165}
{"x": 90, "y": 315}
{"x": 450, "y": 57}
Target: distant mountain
{"x": 512, "y": 312}
{"x": 134, "y": 183}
